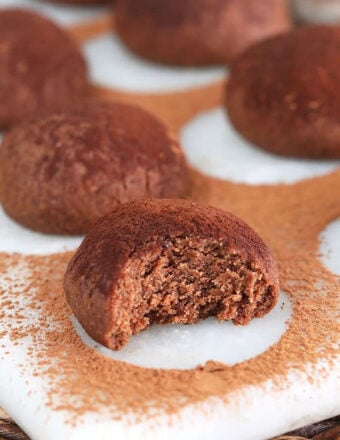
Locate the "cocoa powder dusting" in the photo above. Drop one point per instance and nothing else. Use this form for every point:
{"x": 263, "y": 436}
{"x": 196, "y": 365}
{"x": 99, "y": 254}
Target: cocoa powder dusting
{"x": 74, "y": 369}
{"x": 288, "y": 217}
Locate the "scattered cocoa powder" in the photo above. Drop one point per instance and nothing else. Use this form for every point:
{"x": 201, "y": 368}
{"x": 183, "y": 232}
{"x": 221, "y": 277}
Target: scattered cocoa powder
{"x": 290, "y": 220}
{"x": 176, "y": 108}
{"x": 288, "y": 217}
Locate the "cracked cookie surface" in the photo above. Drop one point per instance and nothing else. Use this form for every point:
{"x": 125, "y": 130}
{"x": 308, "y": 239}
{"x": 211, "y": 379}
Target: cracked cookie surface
{"x": 61, "y": 171}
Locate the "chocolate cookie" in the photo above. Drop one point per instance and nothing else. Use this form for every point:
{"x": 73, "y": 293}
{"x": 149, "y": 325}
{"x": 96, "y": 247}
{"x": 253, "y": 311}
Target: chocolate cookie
{"x": 40, "y": 66}
{"x": 163, "y": 261}
{"x": 283, "y": 93}
{"x": 60, "y": 171}
{"x": 197, "y": 32}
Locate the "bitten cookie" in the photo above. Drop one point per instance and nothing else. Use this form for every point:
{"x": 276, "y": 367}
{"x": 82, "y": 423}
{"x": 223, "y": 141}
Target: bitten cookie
{"x": 283, "y": 93}
{"x": 61, "y": 171}
{"x": 168, "y": 261}
{"x": 40, "y": 65}
{"x": 197, "y": 32}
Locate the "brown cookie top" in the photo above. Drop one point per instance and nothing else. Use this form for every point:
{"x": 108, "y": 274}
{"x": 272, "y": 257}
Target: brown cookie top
{"x": 283, "y": 93}
{"x": 62, "y": 170}
{"x": 197, "y": 32}
{"x": 40, "y": 66}
{"x": 159, "y": 261}
{"x": 125, "y": 231}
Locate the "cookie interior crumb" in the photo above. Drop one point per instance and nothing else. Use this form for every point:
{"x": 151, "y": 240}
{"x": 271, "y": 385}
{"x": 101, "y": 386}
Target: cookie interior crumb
{"x": 188, "y": 280}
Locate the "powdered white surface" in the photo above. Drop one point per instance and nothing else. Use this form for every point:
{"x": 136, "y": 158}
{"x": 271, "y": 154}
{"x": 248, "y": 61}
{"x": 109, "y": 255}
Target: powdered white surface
{"x": 213, "y": 146}
{"x": 112, "y": 65}
{"x": 251, "y": 413}
{"x": 184, "y": 347}
{"x": 330, "y": 247}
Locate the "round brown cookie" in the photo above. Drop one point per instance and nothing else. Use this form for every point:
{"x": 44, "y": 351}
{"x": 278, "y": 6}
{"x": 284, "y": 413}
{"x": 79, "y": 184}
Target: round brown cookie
{"x": 197, "y": 32}
{"x": 40, "y": 66}
{"x": 161, "y": 261}
{"x": 60, "y": 171}
{"x": 283, "y": 93}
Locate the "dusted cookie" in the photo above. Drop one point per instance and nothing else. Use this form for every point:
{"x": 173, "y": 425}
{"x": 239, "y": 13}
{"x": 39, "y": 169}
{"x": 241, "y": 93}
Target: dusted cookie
{"x": 61, "y": 171}
{"x": 40, "y": 66}
{"x": 283, "y": 93}
{"x": 197, "y": 32}
{"x": 162, "y": 261}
